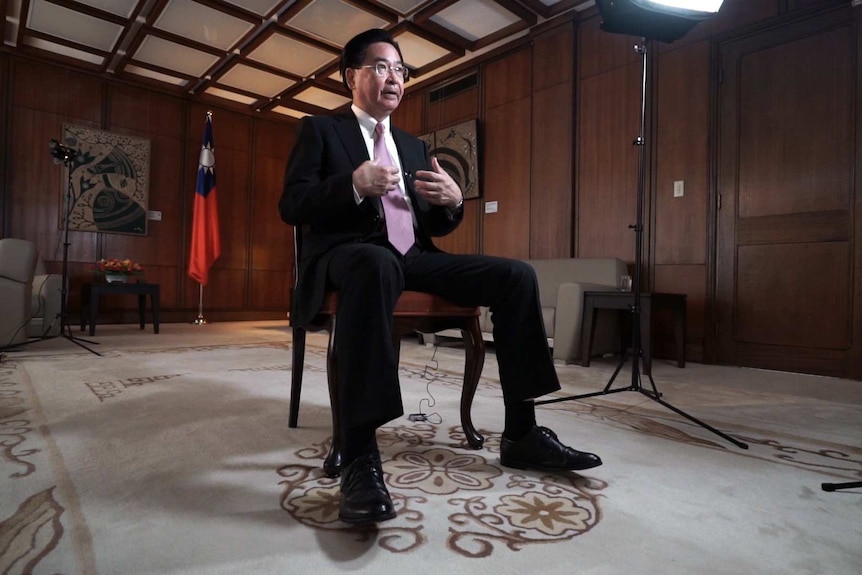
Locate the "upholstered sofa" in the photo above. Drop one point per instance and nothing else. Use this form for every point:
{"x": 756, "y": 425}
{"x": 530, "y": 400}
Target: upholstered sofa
{"x": 29, "y": 296}
{"x": 562, "y": 283}
{"x": 17, "y": 265}
{"x": 45, "y": 303}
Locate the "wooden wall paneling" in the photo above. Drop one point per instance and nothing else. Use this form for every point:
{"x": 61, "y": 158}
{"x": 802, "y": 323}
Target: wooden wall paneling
{"x": 36, "y": 184}
{"x": 734, "y": 14}
{"x": 508, "y": 79}
{"x": 505, "y": 154}
{"x": 794, "y": 5}
{"x": 682, "y": 153}
{"x": 76, "y": 98}
{"x": 410, "y": 115}
{"x": 855, "y": 352}
{"x": 270, "y": 289}
{"x": 5, "y": 130}
{"x": 553, "y": 61}
{"x": 452, "y": 110}
{"x": 272, "y": 254}
{"x": 608, "y": 122}
{"x": 551, "y": 217}
{"x": 551, "y": 198}
{"x": 506, "y": 173}
{"x": 794, "y": 294}
{"x": 690, "y": 280}
{"x": 600, "y": 52}
{"x": 786, "y": 250}
{"x": 815, "y": 152}
{"x": 160, "y": 119}
{"x": 465, "y": 238}
{"x": 272, "y": 239}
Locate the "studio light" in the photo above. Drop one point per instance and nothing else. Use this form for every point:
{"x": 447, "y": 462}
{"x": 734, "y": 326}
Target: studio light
{"x": 662, "y": 20}
{"x": 665, "y": 21}
{"x": 60, "y": 153}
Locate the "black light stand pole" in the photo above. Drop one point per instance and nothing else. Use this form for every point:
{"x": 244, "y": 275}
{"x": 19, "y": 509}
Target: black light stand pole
{"x": 636, "y": 353}
{"x": 66, "y": 156}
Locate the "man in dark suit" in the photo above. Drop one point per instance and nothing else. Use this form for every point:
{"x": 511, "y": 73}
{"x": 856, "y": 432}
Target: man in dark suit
{"x": 367, "y": 228}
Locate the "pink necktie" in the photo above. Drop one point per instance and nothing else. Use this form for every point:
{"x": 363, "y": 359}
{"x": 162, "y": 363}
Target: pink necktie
{"x": 399, "y": 219}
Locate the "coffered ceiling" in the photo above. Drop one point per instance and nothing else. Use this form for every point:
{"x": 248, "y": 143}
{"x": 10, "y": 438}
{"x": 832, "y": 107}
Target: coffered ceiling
{"x": 270, "y": 55}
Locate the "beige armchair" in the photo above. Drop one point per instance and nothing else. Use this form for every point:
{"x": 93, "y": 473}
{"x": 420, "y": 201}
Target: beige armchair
{"x": 17, "y": 266}
{"x": 562, "y": 283}
{"x": 45, "y": 303}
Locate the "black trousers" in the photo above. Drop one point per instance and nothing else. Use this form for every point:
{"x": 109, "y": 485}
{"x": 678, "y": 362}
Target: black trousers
{"x": 370, "y": 277}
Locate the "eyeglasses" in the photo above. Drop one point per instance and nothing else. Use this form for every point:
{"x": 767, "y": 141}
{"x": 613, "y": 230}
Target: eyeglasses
{"x": 382, "y": 69}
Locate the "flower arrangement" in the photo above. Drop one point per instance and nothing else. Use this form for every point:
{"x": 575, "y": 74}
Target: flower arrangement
{"x": 124, "y": 267}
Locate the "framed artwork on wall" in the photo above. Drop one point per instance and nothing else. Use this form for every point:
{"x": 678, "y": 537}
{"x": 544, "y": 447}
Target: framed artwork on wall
{"x": 457, "y": 150}
{"x": 109, "y": 181}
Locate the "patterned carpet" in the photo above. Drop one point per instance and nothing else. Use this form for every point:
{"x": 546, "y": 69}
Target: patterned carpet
{"x": 170, "y": 453}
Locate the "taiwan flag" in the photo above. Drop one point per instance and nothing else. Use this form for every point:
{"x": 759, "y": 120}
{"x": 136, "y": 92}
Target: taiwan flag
{"x": 206, "y": 242}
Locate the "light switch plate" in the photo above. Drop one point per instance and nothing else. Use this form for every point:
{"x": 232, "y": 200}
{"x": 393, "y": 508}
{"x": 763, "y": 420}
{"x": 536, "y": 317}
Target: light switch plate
{"x": 679, "y": 188}
{"x": 154, "y": 215}
{"x": 490, "y": 207}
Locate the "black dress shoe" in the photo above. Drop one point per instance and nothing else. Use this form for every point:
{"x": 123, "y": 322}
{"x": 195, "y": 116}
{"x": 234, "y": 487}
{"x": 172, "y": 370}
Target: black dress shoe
{"x": 540, "y": 449}
{"x": 364, "y": 497}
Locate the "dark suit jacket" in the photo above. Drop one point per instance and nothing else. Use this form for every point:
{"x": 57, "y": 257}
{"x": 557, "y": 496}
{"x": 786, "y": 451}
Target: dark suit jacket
{"x": 318, "y": 197}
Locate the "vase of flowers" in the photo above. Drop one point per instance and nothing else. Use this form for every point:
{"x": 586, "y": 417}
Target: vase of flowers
{"x": 117, "y": 270}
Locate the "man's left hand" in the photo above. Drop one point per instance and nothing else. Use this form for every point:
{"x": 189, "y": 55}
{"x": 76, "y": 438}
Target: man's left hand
{"x": 437, "y": 186}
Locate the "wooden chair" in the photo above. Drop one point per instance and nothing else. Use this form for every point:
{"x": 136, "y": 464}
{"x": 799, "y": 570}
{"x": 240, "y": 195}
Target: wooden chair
{"x": 415, "y": 311}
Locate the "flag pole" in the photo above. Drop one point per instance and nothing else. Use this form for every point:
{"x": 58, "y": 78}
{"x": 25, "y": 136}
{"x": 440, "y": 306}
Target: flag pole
{"x": 205, "y": 239}
{"x": 200, "y": 320}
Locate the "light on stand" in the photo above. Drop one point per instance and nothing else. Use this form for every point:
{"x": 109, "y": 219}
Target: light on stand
{"x": 662, "y": 20}
{"x": 65, "y": 155}
{"x": 60, "y": 153}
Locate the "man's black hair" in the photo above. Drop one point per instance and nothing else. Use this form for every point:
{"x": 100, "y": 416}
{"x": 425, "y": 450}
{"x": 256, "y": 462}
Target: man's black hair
{"x": 356, "y": 49}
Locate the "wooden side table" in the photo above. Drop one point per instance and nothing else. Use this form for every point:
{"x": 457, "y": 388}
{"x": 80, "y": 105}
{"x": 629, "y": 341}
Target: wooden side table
{"x": 91, "y": 292}
{"x": 624, "y": 300}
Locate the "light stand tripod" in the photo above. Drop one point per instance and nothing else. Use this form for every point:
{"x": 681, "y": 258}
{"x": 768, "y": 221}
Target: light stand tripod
{"x": 837, "y": 486}
{"x": 65, "y": 155}
{"x": 636, "y": 353}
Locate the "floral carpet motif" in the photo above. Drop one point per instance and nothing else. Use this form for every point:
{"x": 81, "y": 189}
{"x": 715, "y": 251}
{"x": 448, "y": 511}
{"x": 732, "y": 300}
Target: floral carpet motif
{"x": 171, "y": 453}
{"x": 488, "y": 508}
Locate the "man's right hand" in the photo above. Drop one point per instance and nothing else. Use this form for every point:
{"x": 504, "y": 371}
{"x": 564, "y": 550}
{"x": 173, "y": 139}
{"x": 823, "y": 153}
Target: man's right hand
{"x": 371, "y": 179}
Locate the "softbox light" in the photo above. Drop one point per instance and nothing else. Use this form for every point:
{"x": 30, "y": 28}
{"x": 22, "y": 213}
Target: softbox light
{"x": 662, "y": 20}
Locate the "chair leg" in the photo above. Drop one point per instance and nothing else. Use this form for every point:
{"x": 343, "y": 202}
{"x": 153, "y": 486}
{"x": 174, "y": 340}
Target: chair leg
{"x": 296, "y": 374}
{"x": 332, "y": 463}
{"x": 396, "y": 345}
{"x": 474, "y": 360}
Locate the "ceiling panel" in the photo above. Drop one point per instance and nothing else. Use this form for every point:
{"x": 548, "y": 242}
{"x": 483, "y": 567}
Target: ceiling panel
{"x": 172, "y": 56}
{"x": 475, "y": 19}
{"x": 317, "y": 17}
{"x": 248, "y": 79}
{"x": 196, "y": 22}
{"x": 62, "y": 23}
{"x": 292, "y": 55}
{"x": 272, "y": 56}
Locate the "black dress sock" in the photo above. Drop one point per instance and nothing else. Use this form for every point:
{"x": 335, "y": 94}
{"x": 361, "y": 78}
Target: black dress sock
{"x": 520, "y": 419}
{"x": 358, "y": 441}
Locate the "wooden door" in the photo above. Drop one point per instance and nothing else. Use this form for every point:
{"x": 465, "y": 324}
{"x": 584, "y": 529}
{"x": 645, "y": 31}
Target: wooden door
{"x": 789, "y": 263}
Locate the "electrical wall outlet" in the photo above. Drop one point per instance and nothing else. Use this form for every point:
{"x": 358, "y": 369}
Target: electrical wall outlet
{"x": 490, "y": 207}
{"x": 679, "y": 188}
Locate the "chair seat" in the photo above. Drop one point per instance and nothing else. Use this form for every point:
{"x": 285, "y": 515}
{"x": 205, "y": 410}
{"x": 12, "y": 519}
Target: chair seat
{"x": 412, "y": 303}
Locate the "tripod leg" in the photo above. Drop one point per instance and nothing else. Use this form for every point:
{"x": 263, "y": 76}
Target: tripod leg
{"x": 623, "y": 359}
{"x": 836, "y": 486}
{"x": 691, "y": 418}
